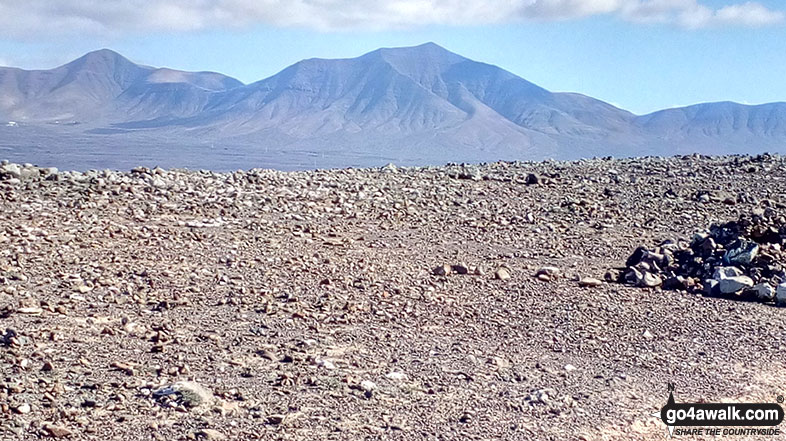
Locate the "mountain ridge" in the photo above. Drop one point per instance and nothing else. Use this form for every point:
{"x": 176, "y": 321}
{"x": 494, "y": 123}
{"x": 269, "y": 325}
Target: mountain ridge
{"x": 387, "y": 102}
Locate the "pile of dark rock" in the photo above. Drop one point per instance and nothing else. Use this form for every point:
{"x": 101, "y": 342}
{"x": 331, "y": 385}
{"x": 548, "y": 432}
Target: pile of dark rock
{"x": 740, "y": 259}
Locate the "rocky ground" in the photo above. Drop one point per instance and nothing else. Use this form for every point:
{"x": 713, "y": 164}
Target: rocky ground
{"x": 333, "y": 305}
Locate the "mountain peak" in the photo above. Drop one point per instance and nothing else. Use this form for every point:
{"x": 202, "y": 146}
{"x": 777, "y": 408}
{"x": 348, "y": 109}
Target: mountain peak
{"x": 429, "y": 50}
{"x": 103, "y": 61}
{"x": 423, "y": 63}
{"x": 101, "y": 56}
{"x": 103, "y": 52}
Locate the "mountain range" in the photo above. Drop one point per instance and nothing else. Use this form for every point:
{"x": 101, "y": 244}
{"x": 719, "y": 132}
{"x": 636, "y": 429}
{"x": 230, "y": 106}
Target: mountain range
{"x": 412, "y": 105}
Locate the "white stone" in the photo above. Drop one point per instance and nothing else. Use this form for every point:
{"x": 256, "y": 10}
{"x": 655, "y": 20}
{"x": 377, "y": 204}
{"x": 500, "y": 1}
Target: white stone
{"x": 327, "y": 364}
{"x": 589, "y": 282}
{"x": 191, "y": 394}
{"x": 12, "y": 170}
{"x": 550, "y": 271}
{"x": 397, "y": 376}
{"x": 649, "y": 280}
{"x": 731, "y": 285}
{"x": 502, "y": 274}
{"x": 159, "y": 183}
{"x": 29, "y": 172}
{"x": 368, "y": 386}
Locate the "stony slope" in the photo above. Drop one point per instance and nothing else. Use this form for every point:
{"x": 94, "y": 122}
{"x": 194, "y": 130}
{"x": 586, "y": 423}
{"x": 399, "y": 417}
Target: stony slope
{"x": 306, "y": 307}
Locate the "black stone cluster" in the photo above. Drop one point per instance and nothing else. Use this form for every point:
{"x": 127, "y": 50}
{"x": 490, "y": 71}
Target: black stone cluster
{"x": 750, "y": 251}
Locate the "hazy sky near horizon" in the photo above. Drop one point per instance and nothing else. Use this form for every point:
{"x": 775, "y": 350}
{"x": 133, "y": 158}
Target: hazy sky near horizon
{"x": 641, "y": 55}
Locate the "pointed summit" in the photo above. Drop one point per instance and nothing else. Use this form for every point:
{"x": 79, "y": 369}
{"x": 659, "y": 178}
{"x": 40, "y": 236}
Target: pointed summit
{"x": 104, "y": 64}
{"x": 102, "y": 58}
{"x": 101, "y": 75}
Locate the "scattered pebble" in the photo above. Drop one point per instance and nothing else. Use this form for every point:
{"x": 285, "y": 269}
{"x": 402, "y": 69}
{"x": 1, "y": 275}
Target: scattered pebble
{"x": 502, "y": 274}
{"x": 589, "y": 282}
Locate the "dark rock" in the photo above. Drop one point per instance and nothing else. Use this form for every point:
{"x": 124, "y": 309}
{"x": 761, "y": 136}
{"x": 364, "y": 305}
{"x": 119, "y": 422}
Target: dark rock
{"x": 460, "y": 269}
{"x": 532, "y": 179}
{"x": 742, "y": 253}
{"x": 744, "y": 258}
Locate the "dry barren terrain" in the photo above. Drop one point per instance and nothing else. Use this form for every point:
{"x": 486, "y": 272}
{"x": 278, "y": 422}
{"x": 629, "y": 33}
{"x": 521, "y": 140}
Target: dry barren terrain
{"x": 270, "y": 305}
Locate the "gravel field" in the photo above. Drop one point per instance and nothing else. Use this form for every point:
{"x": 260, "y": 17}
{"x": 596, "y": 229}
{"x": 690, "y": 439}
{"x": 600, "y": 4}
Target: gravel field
{"x": 439, "y": 303}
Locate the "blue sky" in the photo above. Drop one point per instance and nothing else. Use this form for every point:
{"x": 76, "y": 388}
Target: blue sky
{"x": 641, "y": 55}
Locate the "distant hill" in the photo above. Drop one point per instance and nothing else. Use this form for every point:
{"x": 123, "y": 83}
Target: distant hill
{"x": 103, "y": 87}
{"x": 412, "y": 105}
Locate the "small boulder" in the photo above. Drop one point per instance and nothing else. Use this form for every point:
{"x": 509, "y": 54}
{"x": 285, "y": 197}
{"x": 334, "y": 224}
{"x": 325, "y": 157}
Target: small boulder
{"x": 642, "y": 279}
{"x": 442, "y": 270}
{"x": 708, "y": 245}
{"x": 742, "y": 253}
{"x": 56, "y": 431}
{"x": 470, "y": 173}
{"x": 502, "y": 274}
{"x": 732, "y": 285}
{"x": 613, "y": 275}
{"x": 11, "y": 170}
{"x": 460, "y": 269}
{"x": 764, "y": 292}
{"x": 589, "y": 282}
{"x": 780, "y": 295}
{"x": 711, "y": 287}
{"x": 650, "y": 280}
{"x": 677, "y": 282}
{"x": 396, "y": 376}
{"x": 29, "y": 172}
{"x": 725, "y": 272}
{"x": 532, "y": 179}
{"x": 210, "y": 434}
{"x": 187, "y": 393}
{"x": 368, "y": 387}
{"x": 547, "y": 273}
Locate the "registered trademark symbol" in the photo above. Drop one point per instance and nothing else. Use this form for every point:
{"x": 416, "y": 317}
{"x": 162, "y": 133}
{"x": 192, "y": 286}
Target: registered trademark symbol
{"x": 779, "y": 399}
